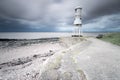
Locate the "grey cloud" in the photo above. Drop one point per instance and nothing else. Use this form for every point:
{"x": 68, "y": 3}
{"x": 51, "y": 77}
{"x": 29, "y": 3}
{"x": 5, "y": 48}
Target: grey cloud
{"x": 38, "y": 9}
{"x": 105, "y": 23}
{"x": 54, "y": 13}
{"x": 23, "y": 9}
{"x": 103, "y": 8}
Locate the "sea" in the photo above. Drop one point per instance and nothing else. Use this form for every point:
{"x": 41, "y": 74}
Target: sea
{"x": 38, "y": 35}
{"x": 10, "y": 40}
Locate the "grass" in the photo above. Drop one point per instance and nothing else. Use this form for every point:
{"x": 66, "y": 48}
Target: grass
{"x": 54, "y": 64}
{"x": 112, "y": 38}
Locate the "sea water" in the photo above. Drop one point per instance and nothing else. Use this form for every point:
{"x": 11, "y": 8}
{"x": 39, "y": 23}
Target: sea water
{"x": 37, "y": 35}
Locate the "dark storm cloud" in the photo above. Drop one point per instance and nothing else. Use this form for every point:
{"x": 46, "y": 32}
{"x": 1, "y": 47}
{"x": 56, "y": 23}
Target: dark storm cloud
{"x": 23, "y": 9}
{"x": 104, "y": 23}
{"x": 15, "y": 26}
{"x": 102, "y": 9}
{"x": 37, "y": 9}
{"x": 39, "y": 15}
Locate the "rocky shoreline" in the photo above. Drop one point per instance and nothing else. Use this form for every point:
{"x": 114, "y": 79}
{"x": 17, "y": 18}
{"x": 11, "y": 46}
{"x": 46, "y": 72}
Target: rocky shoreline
{"x": 55, "y": 63}
{"x": 4, "y": 43}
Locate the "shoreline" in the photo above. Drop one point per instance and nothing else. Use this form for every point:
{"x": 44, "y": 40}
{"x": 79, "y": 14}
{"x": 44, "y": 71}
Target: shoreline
{"x": 85, "y": 58}
{"x": 41, "y": 35}
{"x": 30, "y": 60}
{"x": 7, "y": 39}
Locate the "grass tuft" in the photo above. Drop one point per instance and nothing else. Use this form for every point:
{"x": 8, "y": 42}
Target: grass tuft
{"x": 112, "y": 38}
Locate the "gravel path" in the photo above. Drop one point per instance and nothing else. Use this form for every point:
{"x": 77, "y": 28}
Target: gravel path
{"x": 92, "y": 59}
{"x": 100, "y": 60}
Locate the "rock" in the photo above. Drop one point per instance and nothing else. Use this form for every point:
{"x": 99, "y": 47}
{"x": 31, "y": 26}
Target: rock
{"x": 35, "y": 75}
{"x": 100, "y": 36}
{"x": 50, "y": 51}
{"x": 43, "y": 59}
{"x": 27, "y": 74}
{"x": 50, "y": 75}
{"x": 35, "y": 56}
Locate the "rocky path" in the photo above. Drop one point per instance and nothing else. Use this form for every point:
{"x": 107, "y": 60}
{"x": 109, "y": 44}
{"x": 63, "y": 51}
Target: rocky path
{"x": 92, "y": 59}
{"x": 63, "y": 66}
{"x": 100, "y": 60}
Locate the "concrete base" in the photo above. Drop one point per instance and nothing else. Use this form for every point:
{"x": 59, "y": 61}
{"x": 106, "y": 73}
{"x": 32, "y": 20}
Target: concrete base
{"x": 77, "y": 36}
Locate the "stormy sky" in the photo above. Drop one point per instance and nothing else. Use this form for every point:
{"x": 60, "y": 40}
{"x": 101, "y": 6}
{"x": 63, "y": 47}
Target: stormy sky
{"x": 58, "y": 15}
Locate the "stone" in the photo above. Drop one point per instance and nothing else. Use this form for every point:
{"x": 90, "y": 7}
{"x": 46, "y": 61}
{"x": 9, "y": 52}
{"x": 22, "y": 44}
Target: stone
{"x": 100, "y": 36}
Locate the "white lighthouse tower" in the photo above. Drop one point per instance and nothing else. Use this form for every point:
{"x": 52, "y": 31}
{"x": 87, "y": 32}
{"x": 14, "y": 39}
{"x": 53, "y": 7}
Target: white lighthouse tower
{"x": 78, "y": 22}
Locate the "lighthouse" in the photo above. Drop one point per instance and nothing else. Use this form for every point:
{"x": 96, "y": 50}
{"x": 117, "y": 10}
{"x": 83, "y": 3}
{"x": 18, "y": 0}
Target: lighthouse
{"x": 77, "y": 22}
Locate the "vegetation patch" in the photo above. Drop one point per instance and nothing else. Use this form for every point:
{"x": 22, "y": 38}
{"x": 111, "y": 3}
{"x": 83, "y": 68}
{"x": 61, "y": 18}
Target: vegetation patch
{"x": 112, "y": 38}
{"x": 83, "y": 76}
{"x": 54, "y": 64}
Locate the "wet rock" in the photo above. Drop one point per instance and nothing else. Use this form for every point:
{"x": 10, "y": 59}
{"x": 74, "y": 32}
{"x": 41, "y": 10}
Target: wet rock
{"x": 19, "y": 61}
{"x": 25, "y": 60}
